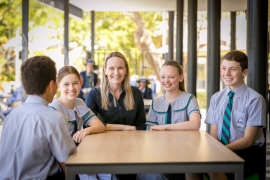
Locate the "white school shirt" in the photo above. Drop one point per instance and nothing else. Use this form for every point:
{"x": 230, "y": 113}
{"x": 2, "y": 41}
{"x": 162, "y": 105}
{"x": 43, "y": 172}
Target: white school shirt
{"x": 80, "y": 107}
{"x": 182, "y": 107}
{"x": 249, "y": 109}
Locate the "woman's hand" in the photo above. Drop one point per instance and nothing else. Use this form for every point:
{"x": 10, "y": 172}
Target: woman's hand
{"x": 79, "y": 135}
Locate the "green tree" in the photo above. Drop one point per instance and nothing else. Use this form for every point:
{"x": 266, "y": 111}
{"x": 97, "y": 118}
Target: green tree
{"x": 114, "y": 31}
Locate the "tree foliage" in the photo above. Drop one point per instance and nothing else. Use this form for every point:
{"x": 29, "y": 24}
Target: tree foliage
{"x": 114, "y": 31}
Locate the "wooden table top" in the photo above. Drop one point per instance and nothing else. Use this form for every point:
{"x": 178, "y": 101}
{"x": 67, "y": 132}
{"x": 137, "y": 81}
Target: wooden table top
{"x": 151, "y": 147}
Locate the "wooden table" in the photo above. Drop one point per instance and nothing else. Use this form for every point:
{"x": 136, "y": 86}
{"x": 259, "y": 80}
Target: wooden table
{"x": 147, "y": 103}
{"x": 124, "y": 152}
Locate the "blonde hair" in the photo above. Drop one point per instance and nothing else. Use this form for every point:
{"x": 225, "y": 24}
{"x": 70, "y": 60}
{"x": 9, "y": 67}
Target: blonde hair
{"x": 105, "y": 85}
{"x": 180, "y": 71}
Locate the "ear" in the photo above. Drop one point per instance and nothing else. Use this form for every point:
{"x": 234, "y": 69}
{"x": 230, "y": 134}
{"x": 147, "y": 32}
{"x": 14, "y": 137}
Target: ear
{"x": 51, "y": 86}
{"x": 58, "y": 86}
{"x": 79, "y": 82}
{"x": 245, "y": 72}
{"x": 181, "y": 78}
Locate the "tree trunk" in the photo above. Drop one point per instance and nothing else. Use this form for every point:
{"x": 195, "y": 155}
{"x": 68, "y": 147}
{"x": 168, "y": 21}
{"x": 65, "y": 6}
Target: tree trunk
{"x": 145, "y": 43}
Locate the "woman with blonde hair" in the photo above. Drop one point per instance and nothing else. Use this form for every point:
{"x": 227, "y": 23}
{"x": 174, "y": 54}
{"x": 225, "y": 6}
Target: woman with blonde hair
{"x": 117, "y": 104}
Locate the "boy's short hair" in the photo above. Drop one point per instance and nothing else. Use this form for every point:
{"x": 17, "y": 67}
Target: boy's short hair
{"x": 237, "y": 56}
{"x": 36, "y": 73}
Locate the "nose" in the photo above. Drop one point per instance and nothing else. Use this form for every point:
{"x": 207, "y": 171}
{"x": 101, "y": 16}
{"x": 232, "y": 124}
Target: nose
{"x": 227, "y": 72}
{"x": 71, "y": 86}
{"x": 115, "y": 71}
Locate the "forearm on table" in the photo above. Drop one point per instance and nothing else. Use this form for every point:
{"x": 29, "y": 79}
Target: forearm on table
{"x": 100, "y": 128}
{"x": 187, "y": 125}
{"x": 96, "y": 126}
{"x": 118, "y": 127}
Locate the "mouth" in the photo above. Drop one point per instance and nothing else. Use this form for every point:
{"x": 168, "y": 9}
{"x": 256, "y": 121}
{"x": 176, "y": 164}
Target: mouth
{"x": 71, "y": 93}
{"x": 116, "y": 78}
{"x": 166, "y": 85}
{"x": 227, "y": 79}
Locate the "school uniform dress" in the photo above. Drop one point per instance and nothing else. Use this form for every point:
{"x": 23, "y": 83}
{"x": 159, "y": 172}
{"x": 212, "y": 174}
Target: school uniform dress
{"x": 181, "y": 109}
{"x": 34, "y": 139}
{"x": 249, "y": 109}
{"x": 118, "y": 114}
{"x": 83, "y": 113}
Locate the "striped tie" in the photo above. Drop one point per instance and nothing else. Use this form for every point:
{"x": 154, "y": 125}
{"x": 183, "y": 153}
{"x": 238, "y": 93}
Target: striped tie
{"x": 225, "y": 134}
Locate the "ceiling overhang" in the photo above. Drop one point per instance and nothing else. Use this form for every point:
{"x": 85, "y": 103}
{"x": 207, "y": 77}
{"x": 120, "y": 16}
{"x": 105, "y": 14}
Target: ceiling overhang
{"x": 151, "y": 5}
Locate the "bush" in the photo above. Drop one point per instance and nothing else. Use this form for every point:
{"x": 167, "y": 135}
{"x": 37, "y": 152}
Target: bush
{"x": 201, "y": 98}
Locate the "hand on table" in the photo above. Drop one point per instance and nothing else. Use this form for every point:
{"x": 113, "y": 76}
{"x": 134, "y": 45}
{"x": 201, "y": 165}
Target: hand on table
{"x": 79, "y": 135}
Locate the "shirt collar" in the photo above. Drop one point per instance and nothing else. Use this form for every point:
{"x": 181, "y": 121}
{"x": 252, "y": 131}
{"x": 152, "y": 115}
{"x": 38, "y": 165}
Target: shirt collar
{"x": 123, "y": 91}
{"x": 36, "y": 99}
{"x": 89, "y": 74}
{"x": 237, "y": 91}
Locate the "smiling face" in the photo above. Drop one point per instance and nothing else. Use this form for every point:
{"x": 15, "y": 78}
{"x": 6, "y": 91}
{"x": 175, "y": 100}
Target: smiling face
{"x": 115, "y": 70}
{"x": 232, "y": 74}
{"x": 170, "y": 78}
{"x": 70, "y": 86}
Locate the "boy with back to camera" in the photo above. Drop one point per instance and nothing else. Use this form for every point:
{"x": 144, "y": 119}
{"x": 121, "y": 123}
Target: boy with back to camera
{"x": 35, "y": 141}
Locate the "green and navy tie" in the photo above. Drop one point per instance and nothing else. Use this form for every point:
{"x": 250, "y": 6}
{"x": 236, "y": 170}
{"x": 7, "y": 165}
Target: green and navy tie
{"x": 225, "y": 134}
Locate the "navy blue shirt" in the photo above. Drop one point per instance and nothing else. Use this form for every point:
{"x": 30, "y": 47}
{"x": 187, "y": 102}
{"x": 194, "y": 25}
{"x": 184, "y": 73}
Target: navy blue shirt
{"x": 118, "y": 114}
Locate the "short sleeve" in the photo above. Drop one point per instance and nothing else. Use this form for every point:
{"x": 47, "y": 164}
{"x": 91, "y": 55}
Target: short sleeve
{"x": 210, "y": 117}
{"x": 257, "y": 112}
{"x": 193, "y": 106}
{"x": 60, "y": 141}
{"x": 88, "y": 117}
{"x": 152, "y": 116}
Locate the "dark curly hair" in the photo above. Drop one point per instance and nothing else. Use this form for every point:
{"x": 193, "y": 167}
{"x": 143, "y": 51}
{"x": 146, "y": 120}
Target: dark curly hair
{"x": 237, "y": 56}
{"x": 36, "y": 73}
